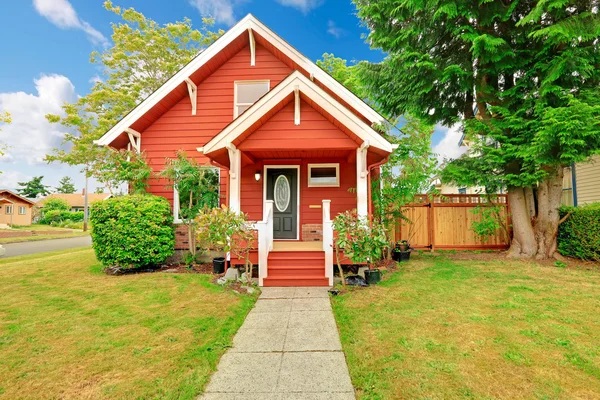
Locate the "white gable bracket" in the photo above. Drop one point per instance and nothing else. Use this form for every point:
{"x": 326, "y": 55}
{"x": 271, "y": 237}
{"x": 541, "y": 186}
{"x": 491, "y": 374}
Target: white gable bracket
{"x": 135, "y": 140}
{"x": 296, "y": 105}
{"x": 193, "y": 92}
{"x": 252, "y": 48}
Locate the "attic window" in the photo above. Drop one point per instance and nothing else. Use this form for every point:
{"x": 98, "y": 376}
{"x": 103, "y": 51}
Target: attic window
{"x": 324, "y": 175}
{"x": 247, "y": 93}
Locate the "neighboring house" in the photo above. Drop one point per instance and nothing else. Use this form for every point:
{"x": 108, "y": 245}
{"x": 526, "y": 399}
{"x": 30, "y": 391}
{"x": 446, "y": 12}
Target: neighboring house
{"x": 76, "y": 200}
{"x": 581, "y": 184}
{"x": 289, "y": 140}
{"x": 15, "y": 209}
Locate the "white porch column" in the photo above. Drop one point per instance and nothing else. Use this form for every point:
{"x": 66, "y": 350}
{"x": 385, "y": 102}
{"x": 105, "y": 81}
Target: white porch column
{"x": 328, "y": 240}
{"x": 362, "y": 183}
{"x": 235, "y": 171}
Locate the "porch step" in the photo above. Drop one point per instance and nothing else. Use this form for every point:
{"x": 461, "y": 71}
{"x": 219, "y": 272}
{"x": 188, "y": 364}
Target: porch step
{"x": 295, "y": 281}
{"x": 296, "y": 268}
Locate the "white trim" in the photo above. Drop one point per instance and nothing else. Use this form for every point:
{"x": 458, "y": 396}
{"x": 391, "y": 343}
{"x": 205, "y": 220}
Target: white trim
{"x": 252, "y": 47}
{"x": 9, "y": 207}
{"x": 193, "y": 92}
{"x": 235, "y": 177}
{"x": 328, "y": 240}
{"x": 288, "y": 166}
{"x": 296, "y": 105}
{"x": 135, "y": 139}
{"x": 312, "y": 91}
{"x": 176, "y": 206}
{"x": 325, "y": 165}
{"x": 248, "y": 22}
{"x": 24, "y": 210}
{"x": 362, "y": 183}
{"x": 235, "y": 93}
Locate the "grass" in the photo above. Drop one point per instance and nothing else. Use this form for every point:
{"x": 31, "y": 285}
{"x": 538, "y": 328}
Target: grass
{"x": 42, "y": 237}
{"x": 39, "y": 227}
{"x": 442, "y": 329}
{"x": 69, "y": 331}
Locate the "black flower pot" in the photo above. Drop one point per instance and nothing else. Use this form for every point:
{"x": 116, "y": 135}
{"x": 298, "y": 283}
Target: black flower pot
{"x": 404, "y": 255}
{"x": 219, "y": 265}
{"x": 396, "y": 255}
{"x": 373, "y": 276}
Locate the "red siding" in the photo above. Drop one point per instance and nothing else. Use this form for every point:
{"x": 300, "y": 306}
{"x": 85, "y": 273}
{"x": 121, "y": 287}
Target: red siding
{"x": 314, "y": 132}
{"x": 178, "y": 129}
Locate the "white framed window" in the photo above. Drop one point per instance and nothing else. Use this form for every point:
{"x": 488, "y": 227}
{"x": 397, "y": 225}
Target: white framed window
{"x": 176, "y": 217}
{"x": 245, "y": 93}
{"x": 22, "y": 210}
{"x": 323, "y": 175}
{"x": 9, "y": 209}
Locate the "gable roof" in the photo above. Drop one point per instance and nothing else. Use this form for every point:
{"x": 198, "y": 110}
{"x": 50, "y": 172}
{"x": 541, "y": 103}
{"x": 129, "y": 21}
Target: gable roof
{"x": 25, "y": 199}
{"x": 75, "y": 199}
{"x": 248, "y": 23}
{"x": 278, "y": 94}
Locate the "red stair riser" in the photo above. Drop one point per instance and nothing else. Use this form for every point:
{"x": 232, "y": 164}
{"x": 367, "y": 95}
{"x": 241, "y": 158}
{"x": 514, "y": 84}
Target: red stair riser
{"x": 296, "y": 281}
{"x": 296, "y": 263}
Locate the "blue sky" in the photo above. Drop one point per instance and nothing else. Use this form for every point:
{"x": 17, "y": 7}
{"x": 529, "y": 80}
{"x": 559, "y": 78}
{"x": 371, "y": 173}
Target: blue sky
{"x": 47, "y": 63}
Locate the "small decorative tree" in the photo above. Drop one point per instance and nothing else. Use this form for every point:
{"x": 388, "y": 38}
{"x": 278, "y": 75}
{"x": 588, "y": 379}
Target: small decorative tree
{"x": 224, "y": 230}
{"x": 123, "y": 166}
{"x": 197, "y": 187}
{"x": 361, "y": 240}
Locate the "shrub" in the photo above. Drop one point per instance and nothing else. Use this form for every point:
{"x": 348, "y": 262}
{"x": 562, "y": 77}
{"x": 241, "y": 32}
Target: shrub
{"x": 54, "y": 217}
{"x": 132, "y": 231}
{"x": 52, "y": 204}
{"x": 579, "y": 234}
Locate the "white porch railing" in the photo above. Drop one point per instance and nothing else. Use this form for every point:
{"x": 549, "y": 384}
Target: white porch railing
{"x": 265, "y": 240}
{"x": 328, "y": 240}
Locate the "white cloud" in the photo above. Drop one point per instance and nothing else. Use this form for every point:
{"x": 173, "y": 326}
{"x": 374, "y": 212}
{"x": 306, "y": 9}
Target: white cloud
{"x": 303, "y": 5}
{"x": 221, "y": 10}
{"x": 448, "y": 147}
{"x": 30, "y": 136}
{"x": 10, "y": 179}
{"x": 62, "y": 14}
{"x": 335, "y": 30}
{"x": 95, "y": 79}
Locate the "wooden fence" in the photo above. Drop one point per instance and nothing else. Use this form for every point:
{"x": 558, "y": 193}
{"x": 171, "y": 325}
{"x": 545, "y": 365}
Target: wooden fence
{"x": 444, "y": 222}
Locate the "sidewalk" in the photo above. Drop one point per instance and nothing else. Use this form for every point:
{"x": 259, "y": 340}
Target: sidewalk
{"x": 288, "y": 348}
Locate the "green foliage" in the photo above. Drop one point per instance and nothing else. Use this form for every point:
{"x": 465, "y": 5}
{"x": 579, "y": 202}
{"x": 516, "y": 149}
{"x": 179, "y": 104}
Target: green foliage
{"x": 33, "y": 188}
{"x": 132, "y": 231}
{"x": 5, "y": 118}
{"x": 123, "y": 166}
{"x": 99, "y": 190}
{"x": 143, "y": 56}
{"x": 342, "y": 72}
{"x": 579, "y": 234}
{"x": 361, "y": 240}
{"x": 488, "y": 223}
{"x": 56, "y": 217}
{"x": 65, "y": 185}
{"x": 54, "y": 203}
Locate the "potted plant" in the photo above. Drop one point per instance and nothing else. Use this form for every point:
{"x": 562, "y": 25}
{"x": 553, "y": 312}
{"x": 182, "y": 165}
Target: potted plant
{"x": 222, "y": 230}
{"x": 361, "y": 240}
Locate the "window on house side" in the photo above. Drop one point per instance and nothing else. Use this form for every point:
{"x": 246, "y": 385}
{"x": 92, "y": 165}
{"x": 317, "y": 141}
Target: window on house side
{"x": 462, "y": 191}
{"x": 22, "y": 210}
{"x": 9, "y": 209}
{"x": 324, "y": 175}
{"x": 246, "y": 94}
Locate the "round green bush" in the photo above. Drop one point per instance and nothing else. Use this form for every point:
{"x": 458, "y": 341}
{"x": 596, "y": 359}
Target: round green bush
{"x": 579, "y": 234}
{"x": 132, "y": 231}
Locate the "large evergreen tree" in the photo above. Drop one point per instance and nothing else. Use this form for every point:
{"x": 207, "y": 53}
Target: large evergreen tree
{"x": 523, "y": 78}
{"x": 65, "y": 185}
{"x": 33, "y": 188}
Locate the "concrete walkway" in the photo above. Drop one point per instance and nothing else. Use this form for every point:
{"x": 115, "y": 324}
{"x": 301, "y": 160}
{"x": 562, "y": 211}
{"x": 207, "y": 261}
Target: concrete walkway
{"x": 288, "y": 348}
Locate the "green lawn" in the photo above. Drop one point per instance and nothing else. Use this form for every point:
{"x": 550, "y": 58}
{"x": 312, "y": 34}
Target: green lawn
{"x": 69, "y": 331}
{"x": 442, "y": 329}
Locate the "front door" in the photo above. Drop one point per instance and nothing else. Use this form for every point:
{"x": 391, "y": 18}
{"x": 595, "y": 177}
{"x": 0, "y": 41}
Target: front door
{"x": 282, "y": 188}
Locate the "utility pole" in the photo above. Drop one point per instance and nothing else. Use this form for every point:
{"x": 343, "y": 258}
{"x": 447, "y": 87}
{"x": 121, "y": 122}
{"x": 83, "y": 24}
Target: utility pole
{"x": 85, "y": 203}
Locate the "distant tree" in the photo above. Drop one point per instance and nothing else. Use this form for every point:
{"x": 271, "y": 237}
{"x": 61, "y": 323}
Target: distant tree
{"x": 55, "y": 204}
{"x": 99, "y": 190}
{"x": 65, "y": 185}
{"x": 33, "y": 188}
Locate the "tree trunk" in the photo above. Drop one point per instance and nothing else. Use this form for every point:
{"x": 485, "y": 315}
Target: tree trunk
{"x": 536, "y": 237}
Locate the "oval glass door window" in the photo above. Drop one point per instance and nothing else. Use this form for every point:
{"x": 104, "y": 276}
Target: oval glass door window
{"x": 282, "y": 193}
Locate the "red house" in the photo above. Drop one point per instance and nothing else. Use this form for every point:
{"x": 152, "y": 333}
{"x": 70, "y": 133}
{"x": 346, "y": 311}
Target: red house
{"x": 289, "y": 140}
